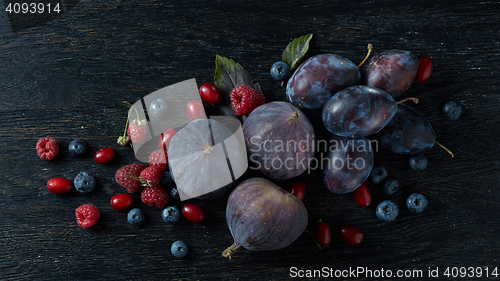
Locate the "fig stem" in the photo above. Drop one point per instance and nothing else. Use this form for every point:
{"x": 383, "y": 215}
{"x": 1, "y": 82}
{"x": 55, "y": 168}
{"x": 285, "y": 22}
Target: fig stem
{"x": 446, "y": 149}
{"x": 295, "y": 116}
{"x": 230, "y": 250}
{"x": 370, "y": 48}
{"x": 415, "y": 100}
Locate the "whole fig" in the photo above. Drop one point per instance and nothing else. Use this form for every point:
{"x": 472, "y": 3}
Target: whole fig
{"x": 262, "y": 216}
{"x": 280, "y": 140}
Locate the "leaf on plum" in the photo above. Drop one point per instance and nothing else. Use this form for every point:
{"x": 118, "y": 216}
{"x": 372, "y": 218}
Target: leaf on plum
{"x": 296, "y": 50}
{"x": 229, "y": 74}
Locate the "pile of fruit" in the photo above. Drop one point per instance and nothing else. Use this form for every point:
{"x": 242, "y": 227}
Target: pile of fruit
{"x": 358, "y": 106}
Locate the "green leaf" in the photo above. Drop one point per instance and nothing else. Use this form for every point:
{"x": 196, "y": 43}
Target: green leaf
{"x": 229, "y": 74}
{"x": 296, "y": 50}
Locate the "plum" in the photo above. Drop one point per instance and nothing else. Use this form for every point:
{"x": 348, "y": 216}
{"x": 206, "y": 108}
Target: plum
{"x": 262, "y": 216}
{"x": 358, "y": 111}
{"x": 409, "y": 132}
{"x": 280, "y": 140}
{"x": 349, "y": 162}
{"x": 392, "y": 71}
{"x": 317, "y": 79}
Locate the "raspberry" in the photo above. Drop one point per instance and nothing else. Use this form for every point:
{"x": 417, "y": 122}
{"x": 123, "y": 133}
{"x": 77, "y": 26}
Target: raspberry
{"x": 245, "y": 99}
{"x": 125, "y": 176}
{"x": 47, "y": 148}
{"x": 159, "y": 159}
{"x": 151, "y": 176}
{"x": 87, "y": 215}
{"x": 155, "y": 196}
{"x": 137, "y": 130}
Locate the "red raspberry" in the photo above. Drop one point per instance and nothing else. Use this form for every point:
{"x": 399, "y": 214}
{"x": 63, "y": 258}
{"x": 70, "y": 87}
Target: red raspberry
{"x": 126, "y": 175}
{"x": 47, "y": 148}
{"x": 159, "y": 159}
{"x": 151, "y": 176}
{"x": 87, "y": 215}
{"x": 245, "y": 99}
{"x": 137, "y": 130}
{"x": 155, "y": 196}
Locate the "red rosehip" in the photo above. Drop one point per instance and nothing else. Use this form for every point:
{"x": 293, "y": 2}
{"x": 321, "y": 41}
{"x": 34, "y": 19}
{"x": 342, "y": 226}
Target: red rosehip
{"x": 322, "y": 234}
{"x": 298, "y": 189}
{"x": 59, "y": 185}
{"x": 362, "y": 195}
{"x": 193, "y": 212}
{"x": 424, "y": 70}
{"x": 104, "y": 155}
{"x": 166, "y": 138}
{"x": 351, "y": 234}
{"x": 210, "y": 93}
{"x": 122, "y": 201}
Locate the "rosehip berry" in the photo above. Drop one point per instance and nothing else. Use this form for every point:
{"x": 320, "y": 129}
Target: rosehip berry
{"x": 122, "y": 201}
{"x": 298, "y": 189}
{"x": 195, "y": 110}
{"x": 424, "y": 70}
{"x": 59, "y": 185}
{"x": 166, "y": 138}
{"x": 322, "y": 234}
{"x": 104, "y": 155}
{"x": 210, "y": 93}
{"x": 362, "y": 195}
{"x": 351, "y": 234}
{"x": 193, "y": 212}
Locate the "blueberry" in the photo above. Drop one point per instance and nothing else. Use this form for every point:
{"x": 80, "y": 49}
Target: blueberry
{"x": 391, "y": 186}
{"x": 135, "y": 216}
{"x": 416, "y": 203}
{"x": 452, "y": 110}
{"x": 280, "y": 70}
{"x": 171, "y": 214}
{"x": 166, "y": 178}
{"x": 378, "y": 174}
{"x": 84, "y": 182}
{"x": 387, "y": 210}
{"x": 179, "y": 249}
{"x": 418, "y": 162}
{"x": 157, "y": 109}
{"x": 77, "y": 148}
{"x": 174, "y": 193}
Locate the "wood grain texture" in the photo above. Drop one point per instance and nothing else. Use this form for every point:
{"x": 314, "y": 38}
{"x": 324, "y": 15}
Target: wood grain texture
{"x": 68, "y": 77}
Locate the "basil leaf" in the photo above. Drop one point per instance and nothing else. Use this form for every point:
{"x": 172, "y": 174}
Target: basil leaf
{"x": 296, "y": 50}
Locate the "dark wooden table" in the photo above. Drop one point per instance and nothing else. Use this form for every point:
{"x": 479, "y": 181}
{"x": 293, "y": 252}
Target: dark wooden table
{"x": 67, "y": 78}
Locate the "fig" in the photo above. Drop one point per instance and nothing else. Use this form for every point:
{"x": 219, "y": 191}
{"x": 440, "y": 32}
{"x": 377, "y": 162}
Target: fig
{"x": 280, "y": 140}
{"x": 262, "y": 216}
{"x": 206, "y": 157}
{"x": 317, "y": 79}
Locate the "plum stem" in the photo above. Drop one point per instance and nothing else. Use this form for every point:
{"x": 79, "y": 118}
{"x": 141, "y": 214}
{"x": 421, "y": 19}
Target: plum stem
{"x": 446, "y": 149}
{"x": 370, "y": 48}
{"x": 415, "y": 100}
{"x": 230, "y": 250}
{"x": 314, "y": 239}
